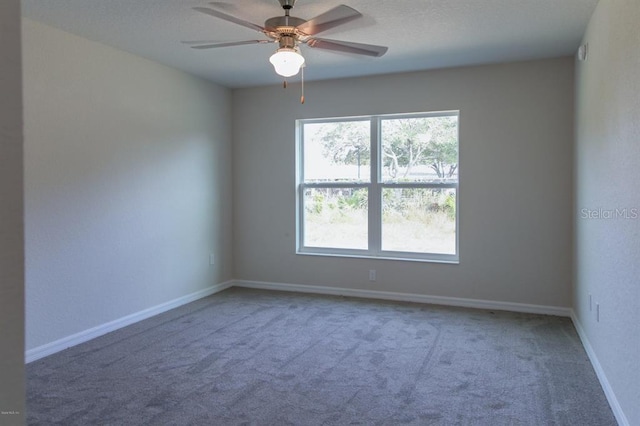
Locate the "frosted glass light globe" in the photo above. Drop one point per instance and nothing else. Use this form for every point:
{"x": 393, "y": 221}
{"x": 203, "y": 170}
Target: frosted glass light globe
{"x": 287, "y": 62}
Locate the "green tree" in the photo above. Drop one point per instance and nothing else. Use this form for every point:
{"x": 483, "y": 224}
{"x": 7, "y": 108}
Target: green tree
{"x": 347, "y": 142}
{"x": 406, "y": 143}
{"x": 426, "y": 140}
{"x": 442, "y": 150}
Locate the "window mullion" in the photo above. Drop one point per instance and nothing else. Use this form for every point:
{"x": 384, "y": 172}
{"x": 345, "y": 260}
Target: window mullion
{"x": 375, "y": 191}
{"x": 299, "y": 152}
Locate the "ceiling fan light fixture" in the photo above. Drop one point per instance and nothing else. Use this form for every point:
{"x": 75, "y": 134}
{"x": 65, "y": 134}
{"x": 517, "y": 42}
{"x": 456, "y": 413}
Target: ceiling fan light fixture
{"x": 287, "y": 61}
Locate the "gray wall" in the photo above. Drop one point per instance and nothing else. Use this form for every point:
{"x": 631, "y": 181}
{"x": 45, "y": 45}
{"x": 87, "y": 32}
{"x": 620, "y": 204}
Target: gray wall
{"x": 11, "y": 218}
{"x": 127, "y": 183}
{"x": 607, "y": 176}
{"x": 516, "y": 141}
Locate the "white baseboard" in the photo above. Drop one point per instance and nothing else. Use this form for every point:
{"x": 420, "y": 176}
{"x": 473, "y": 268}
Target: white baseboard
{"x": 86, "y": 335}
{"x": 408, "y": 297}
{"x": 602, "y": 377}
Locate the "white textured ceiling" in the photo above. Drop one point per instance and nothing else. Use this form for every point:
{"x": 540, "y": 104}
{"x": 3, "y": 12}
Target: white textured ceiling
{"x": 421, "y": 34}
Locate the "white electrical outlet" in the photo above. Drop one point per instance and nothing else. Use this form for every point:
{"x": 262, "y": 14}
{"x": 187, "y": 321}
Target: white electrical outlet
{"x": 372, "y": 274}
{"x": 212, "y": 259}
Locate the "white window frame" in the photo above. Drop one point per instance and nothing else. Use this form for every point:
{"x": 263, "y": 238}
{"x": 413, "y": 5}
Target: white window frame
{"x": 375, "y": 188}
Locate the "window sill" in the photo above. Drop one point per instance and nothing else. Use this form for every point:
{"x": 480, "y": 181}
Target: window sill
{"x": 455, "y": 261}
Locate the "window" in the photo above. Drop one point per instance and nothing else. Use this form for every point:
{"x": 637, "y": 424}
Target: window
{"x": 381, "y": 186}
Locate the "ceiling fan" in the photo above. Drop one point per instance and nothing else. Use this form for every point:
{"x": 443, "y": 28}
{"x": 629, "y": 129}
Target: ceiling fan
{"x": 289, "y": 32}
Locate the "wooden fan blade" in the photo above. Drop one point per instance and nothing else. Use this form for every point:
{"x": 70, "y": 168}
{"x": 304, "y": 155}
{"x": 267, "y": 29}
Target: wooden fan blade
{"x": 212, "y": 45}
{"x": 337, "y": 16}
{"x": 229, "y": 18}
{"x": 192, "y": 42}
{"x": 347, "y": 47}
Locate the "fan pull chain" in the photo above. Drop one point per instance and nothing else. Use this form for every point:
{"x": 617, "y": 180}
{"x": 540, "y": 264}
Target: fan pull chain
{"x": 284, "y": 84}
{"x": 302, "y": 97}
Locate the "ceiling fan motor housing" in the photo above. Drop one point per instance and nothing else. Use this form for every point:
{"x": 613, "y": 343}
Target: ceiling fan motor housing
{"x": 287, "y": 42}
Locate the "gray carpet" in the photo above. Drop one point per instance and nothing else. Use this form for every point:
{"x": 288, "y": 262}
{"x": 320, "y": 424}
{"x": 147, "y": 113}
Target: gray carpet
{"x": 271, "y": 358}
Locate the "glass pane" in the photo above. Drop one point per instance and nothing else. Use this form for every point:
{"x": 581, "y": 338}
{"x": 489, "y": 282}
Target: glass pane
{"x": 420, "y": 220}
{"x": 423, "y": 149}
{"x": 336, "y": 218}
{"x": 337, "y": 152}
